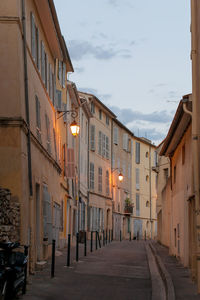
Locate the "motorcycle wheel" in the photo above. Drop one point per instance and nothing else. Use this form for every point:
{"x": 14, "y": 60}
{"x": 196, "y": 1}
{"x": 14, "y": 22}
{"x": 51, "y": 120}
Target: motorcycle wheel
{"x": 3, "y": 291}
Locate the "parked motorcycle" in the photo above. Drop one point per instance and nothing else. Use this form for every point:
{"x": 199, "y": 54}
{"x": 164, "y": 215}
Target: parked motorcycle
{"x": 13, "y": 270}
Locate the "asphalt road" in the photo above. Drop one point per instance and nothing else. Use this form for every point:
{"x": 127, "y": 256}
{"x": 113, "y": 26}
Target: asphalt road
{"x": 118, "y": 271}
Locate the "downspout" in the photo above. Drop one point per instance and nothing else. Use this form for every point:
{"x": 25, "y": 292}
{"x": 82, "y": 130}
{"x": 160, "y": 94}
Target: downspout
{"x": 88, "y": 179}
{"x": 111, "y": 157}
{"x": 27, "y": 99}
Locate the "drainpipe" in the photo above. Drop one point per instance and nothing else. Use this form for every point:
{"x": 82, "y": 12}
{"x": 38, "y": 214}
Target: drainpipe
{"x": 195, "y": 131}
{"x": 27, "y": 99}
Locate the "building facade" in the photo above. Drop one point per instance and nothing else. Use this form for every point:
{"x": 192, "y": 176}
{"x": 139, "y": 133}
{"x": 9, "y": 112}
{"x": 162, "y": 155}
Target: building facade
{"x": 144, "y": 219}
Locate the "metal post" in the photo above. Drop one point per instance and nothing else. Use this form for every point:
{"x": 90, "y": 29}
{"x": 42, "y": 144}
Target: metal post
{"x": 25, "y": 271}
{"x": 91, "y": 241}
{"x": 53, "y": 258}
{"x": 109, "y": 236}
{"x": 96, "y": 241}
{"x": 103, "y": 238}
{"x": 130, "y": 236}
{"x": 106, "y": 236}
{"x": 120, "y": 236}
{"x": 85, "y": 246}
{"x": 145, "y": 235}
{"x": 77, "y": 236}
{"x": 68, "y": 250}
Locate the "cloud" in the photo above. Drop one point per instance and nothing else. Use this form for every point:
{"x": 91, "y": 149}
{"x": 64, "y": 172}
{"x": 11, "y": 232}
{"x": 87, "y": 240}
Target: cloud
{"x": 128, "y": 115}
{"x": 150, "y": 133}
{"x": 116, "y": 3}
{"x": 80, "y": 49}
{"x": 101, "y": 97}
{"x": 79, "y": 69}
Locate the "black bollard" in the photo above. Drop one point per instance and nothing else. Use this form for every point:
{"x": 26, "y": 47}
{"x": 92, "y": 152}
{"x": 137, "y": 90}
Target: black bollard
{"x": 25, "y": 271}
{"x": 103, "y": 238}
{"x": 77, "y": 236}
{"x": 130, "y": 236}
{"x": 96, "y": 241}
{"x": 91, "y": 241}
{"x": 106, "y": 236}
{"x": 120, "y": 236}
{"x": 68, "y": 250}
{"x": 85, "y": 244}
{"x": 53, "y": 258}
{"x": 145, "y": 235}
{"x": 109, "y": 236}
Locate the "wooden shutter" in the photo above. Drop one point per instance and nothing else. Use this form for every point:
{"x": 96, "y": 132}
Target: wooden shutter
{"x": 92, "y": 137}
{"x": 100, "y": 179}
{"x": 65, "y": 115}
{"x": 47, "y": 215}
{"x": 125, "y": 141}
{"x": 33, "y": 37}
{"x": 59, "y": 100}
{"x": 70, "y": 163}
{"x": 103, "y": 145}
{"x": 42, "y": 61}
{"x": 115, "y": 135}
{"x": 137, "y": 178}
{"x": 100, "y": 143}
{"x": 107, "y": 184}
{"x": 48, "y": 133}
{"x": 137, "y": 157}
{"x": 37, "y": 49}
{"x": 91, "y": 176}
{"x": 55, "y": 144}
{"x": 63, "y": 74}
{"x": 107, "y": 147}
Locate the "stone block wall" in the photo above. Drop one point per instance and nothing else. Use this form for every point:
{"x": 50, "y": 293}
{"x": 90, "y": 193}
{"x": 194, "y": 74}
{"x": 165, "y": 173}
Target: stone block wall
{"x": 9, "y": 217}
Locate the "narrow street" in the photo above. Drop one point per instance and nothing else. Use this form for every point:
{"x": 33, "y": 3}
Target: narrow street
{"x": 118, "y": 271}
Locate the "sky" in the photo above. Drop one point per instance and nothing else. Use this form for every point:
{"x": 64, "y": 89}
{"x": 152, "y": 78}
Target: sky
{"x": 134, "y": 55}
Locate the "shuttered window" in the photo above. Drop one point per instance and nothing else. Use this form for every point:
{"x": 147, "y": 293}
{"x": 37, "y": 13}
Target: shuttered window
{"x": 48, "y": 133}
{"x": 59, "y": 100}
{"x": 91, "y": 176}
{"x": 38, "y": 119}
{"x": 33, "y": 37}
{"x": 103, "y": 145}
{"x": 60, "y": 71}
{"x": 50, "y": 83}
{"x": 107, "y": 147}
{"x": 100, "y": 143}
{"x": 107, "y": 184}
{"x": 63, "y": 74}
{"x": 155, "y": 158}
{"x": 70, "y": 170}
{"x": 46, "y": 70}
{"x": 125, "y": 141}
{"x": 55, "y": 144}
{"x": 137, "y": 178}
{"x": 42, "y": 61}
{"x": 137, "y": 204}
{"x": 100, "y": 179}
{"x": 47, "y": 215}
{"x": 137, "y": 154}
{"x": 92, "y": 137}
{"x": 37, "y": 49}
{"x": 115, "y": 135}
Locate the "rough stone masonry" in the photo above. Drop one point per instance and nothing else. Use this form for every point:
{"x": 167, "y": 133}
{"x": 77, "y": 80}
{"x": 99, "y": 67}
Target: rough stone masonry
{"x": 9, "y": 217}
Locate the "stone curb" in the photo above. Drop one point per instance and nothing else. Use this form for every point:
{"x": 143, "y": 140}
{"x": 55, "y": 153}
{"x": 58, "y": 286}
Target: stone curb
{"x": 169, "y": 286}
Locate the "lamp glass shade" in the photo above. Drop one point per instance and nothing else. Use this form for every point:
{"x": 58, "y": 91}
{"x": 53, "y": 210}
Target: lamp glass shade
{"x": 120, "y": 176}
{"x": 74, "y": 128}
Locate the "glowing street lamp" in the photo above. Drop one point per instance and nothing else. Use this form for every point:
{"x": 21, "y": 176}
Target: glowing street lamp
{"x": 121, "y": 177}
{"x": 74, "y": 128}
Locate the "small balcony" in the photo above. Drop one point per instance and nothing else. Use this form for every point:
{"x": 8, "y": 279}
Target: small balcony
{"x": 128, "y": 209}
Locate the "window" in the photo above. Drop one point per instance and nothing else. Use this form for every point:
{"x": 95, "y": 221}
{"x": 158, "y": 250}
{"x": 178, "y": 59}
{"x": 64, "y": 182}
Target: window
{"x": 100, "y": 143}
{"x": 55, "y": 148}
{"x": 86, "y": 132}
{"x": 70, "y": 169}
{"x": 92, "y": 137}
{"x": 147, "y": 154}
{"x": 137, "y": 178}
{"x": 60, "y": 71}
{"x": 35, "y": 42}
{"x": 48, "y": 133}
{"x": 147, "y": 204}
{"x": 100, "y": 179}
{"x": 155, "y": 158}
{"x": 147, "y": 178}
{"x": 43, "y": 62}
{"x": 107, "y": 120}
{"x": 183, "y": 155}
{"x": 103, "y": 145}
{"x": 137, "y": 204}
{"x": 137, "y": 156}
{"x": 38, "y": 120}
{"x": 100, "y": 114}
{"x": 63, "y": 74}
{"x": 91, "y": 176}
{"x": 115, "y": 135}
{"x": 107, "y": 184}
{"x": 92, "y": 107}
{"x": 125, "y": 141}
{"x": 107, "y": 147}
{"x": 174, "y": 174}
{"x": 47, "y": 215}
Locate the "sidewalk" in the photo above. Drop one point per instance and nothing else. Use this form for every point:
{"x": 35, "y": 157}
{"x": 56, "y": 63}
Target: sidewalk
{"x": 185, "y": 289}
{"x": 117, "y": 271}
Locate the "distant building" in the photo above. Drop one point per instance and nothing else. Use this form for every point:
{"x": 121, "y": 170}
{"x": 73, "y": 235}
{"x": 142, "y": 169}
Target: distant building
{"x": 144, "y": 195}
